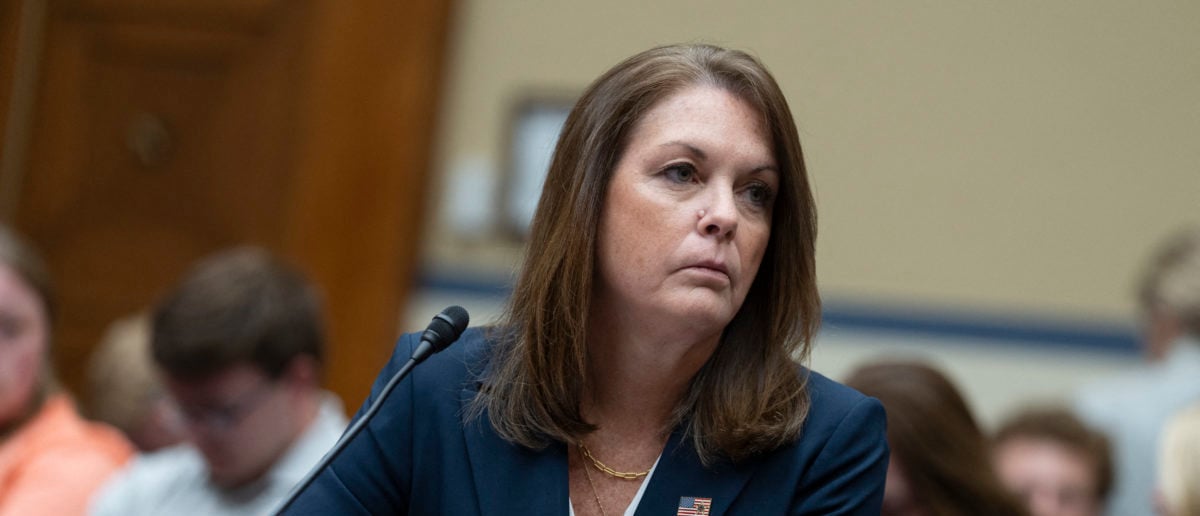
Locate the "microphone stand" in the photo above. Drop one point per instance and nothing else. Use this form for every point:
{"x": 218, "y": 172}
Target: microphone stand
{"x": 452, "y": 321}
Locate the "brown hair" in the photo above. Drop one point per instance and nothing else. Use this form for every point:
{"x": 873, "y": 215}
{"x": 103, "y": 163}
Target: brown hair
{"x": 1060, "y": 426}
{"x": 241, "y": 305}
{"x": 21, "y": 257}
{"x": 749, "y": 397}
{"x": 934, "y": 440}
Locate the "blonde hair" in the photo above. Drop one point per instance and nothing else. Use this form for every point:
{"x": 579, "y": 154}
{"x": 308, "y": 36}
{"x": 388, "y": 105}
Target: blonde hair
{"x": 122, "y": 380}
{"x": 1171, "y": 281}
{"x": 1179, "y": 463}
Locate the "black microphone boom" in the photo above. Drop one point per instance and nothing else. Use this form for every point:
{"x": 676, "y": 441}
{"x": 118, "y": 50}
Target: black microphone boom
{"x": 443, "y": 330}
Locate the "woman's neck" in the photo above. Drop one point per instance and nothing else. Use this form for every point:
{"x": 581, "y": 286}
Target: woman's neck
{"x": 638, "y": 374}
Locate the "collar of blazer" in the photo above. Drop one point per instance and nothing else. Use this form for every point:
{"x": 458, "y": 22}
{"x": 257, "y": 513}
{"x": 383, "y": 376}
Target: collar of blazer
{"x": 511, "y": 479}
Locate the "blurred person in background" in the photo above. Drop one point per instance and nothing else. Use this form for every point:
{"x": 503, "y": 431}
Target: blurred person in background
{"x": 51, "y": 460}
{"x": 240, "y": 343}
{"x": 1179, "y": 465}
{"x": 125, "y": 389}
{"x": 1058, "y": 465}
{"x": 940, "y": 464}
{"x": 1133, "y": 409}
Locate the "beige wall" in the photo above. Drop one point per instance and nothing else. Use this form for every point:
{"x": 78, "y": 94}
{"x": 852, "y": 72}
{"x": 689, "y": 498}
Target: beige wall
{"x": 1011, "y": 156}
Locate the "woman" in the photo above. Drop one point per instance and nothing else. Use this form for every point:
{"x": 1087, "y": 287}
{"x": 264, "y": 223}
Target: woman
{"x": 51, "y": 460}
{"x": 646, "y": 359}
{"x": 940, "y": 464}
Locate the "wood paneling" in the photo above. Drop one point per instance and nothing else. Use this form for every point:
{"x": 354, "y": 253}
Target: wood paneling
{"x": 364, "y": 160}
{"x": 10, "y": 29}
{"x": 21, "y": 24}
{"x": 168, "y": 130}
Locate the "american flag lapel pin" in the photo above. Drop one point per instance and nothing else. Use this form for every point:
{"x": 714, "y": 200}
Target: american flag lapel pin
{"x": 693, "y": 506}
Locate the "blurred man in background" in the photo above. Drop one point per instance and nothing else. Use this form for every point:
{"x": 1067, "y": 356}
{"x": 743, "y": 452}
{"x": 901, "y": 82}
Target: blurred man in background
{"x": 1054, "y": 462}
{"x": 240, "y": 343}
{"x": 1133, "y": 409}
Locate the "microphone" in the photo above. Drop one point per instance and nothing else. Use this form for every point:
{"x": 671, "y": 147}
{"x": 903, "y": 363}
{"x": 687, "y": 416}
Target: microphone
{"x": 443, "y": 330}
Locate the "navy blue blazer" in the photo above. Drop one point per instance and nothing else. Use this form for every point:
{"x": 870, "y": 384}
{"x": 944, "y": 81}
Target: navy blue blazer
{"x": 418, "y": 457}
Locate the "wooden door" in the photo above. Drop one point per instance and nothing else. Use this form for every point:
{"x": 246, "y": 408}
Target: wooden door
{"x": 164, "y": 131}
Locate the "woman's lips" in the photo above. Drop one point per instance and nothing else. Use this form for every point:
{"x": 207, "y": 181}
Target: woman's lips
{"x": 711, "y": 268}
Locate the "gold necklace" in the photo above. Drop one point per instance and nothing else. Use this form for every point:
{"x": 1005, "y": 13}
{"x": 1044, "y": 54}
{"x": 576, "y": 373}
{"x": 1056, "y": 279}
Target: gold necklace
{"x": 583, "y": 450}
{"x": 595, "y": 494}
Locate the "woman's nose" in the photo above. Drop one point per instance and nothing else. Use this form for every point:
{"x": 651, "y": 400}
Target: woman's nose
{"x": 720, "y": 217}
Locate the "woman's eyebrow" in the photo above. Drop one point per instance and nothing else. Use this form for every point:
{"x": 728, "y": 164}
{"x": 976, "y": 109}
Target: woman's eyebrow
{"x": 692, "y": 149}
{"x": 702, "y": 156}
{"x": 765, "y": 168}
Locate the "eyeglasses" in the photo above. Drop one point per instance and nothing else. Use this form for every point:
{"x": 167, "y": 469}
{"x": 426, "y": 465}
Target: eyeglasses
{"x": 222, "y": 418}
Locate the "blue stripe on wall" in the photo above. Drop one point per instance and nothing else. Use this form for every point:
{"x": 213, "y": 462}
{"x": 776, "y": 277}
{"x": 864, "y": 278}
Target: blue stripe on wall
{"x": 1002, "y": 329}
{"x": 465, "y": 285}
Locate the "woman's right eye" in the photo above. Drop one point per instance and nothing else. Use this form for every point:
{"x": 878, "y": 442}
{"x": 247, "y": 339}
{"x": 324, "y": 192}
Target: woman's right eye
{"x": 681, "y": 173}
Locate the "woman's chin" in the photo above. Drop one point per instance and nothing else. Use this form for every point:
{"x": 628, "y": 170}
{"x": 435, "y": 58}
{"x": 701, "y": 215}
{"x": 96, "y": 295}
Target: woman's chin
{"x": 705, "y": 314}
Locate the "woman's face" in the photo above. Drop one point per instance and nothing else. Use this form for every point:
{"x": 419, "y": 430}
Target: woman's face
{"x": 1051, "y": 478}
{"x": 23, "y": 337}
{"x": 898, "y": 496}
{"x": 688, "y": 212}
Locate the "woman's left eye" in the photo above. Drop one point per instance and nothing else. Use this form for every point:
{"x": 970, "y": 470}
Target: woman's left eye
{"x": 759, "y": 194}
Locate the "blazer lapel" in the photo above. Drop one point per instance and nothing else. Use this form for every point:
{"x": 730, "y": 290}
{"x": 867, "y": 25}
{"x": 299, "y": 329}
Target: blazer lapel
{"x": 511, "y": 479}
{"x": 680, "y": 474}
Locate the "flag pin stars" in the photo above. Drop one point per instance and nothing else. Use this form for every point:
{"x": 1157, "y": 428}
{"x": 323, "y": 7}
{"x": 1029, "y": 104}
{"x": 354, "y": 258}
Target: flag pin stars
{"x": 693, "y": 506}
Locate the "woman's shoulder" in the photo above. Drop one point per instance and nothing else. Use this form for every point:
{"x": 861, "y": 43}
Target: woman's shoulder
{"x": 63, "y": 459}
{"x": 838, "y": 465}
{"x": 834, "y": 407}
{"x": 463, "y": 360}
{"x": 828, "y": 394}
{"x": 59, "y": 429}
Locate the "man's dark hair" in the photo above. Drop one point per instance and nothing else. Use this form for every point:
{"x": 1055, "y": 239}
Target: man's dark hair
{"x": 241, "y": 305}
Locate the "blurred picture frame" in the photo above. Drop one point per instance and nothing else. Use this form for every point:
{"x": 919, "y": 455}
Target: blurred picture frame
{"x": 533, "y": 127}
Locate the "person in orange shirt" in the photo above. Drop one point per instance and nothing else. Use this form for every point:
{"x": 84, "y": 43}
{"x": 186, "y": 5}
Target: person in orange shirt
{"x": 51, "y": 459}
